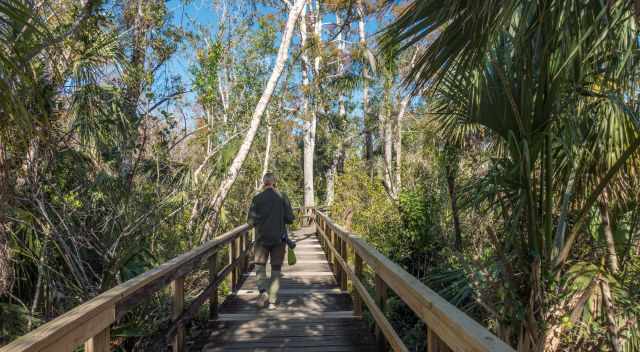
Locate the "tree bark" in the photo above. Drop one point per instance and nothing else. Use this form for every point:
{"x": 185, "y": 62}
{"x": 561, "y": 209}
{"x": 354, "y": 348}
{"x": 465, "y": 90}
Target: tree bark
{"x": 386, "y": 133}
{"x": 216, "y": 202}
{"x": 453, "y": 196}
{"x": 267, "y": 149}
{"x": 338, "y": 155}
{"x": 397, "y": 143}
{"x": 309, "y": 120}
{"x": 611, "y": 318}
{"x": 607, "y": 229}
{"x": 5, "y": 259}
{"x": 368, "y": 135}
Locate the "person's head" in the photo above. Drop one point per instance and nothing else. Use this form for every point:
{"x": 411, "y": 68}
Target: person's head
{"x": 269, "y": 180}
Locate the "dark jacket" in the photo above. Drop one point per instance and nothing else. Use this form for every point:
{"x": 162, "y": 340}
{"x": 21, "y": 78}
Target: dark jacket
{"x": 269, "y": 213}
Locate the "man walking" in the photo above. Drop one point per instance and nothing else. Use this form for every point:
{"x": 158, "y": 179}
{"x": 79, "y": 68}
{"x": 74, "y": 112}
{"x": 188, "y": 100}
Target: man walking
{"x": 270, "y": 212}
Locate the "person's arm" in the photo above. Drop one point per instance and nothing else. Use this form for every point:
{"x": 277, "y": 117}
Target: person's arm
{"x": 254, "y": 218}
{"x": 288, "y": 212}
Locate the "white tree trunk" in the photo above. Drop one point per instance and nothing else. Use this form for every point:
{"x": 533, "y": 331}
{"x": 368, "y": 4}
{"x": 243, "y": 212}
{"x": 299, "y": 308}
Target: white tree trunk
{"x": 267, "y": 154}
{"x": 386, "y": 134}
{"x": 317, "y": 30}
{"x": 229, "y": 179}
{"x": 310, "y": 116}
{"x": 342, "y": 113}
{"x": 331, "y": 181}
{"x": 337, "y": 157}
{"x": 309, "y": 147}
{"x": 331, "y": 174}
{"x": 368, "y": 139}
{"x": 267, "y": 151}
{"x": 397, "y": 143}
{"x": 223, "y": 91}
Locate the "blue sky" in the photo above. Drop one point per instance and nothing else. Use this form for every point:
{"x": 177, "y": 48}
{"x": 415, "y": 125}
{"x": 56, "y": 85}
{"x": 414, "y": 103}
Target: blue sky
{"x": 198, "y": 12}
{"x": 201, "y": 13}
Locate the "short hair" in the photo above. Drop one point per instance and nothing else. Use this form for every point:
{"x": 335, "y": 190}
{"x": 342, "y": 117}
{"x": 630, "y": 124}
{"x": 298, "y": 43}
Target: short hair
{"x": 269, "y": 179}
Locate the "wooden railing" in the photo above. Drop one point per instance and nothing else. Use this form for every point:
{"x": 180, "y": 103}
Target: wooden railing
{"x": 447, "y": 328}
{"x": 90, "y": 323}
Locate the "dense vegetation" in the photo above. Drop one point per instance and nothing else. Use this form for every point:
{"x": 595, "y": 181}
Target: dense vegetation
{"x": 489, "y": 147}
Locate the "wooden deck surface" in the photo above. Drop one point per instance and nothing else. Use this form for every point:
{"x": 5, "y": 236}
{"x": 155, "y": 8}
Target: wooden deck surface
{"x": 312, "y": 314}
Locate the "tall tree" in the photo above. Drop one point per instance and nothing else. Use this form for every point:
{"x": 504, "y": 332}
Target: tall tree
{"x": 309, "y": 120}
{"x": 217, "y": 201}
{"x": 368, "y": 67}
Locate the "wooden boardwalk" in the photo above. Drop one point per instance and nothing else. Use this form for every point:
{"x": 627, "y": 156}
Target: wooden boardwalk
{"x": 313, "y": 314}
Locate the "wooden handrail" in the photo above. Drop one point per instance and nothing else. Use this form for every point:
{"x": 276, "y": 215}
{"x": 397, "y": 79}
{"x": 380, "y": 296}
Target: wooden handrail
{"x": 89, "y": 323}
{"x": 446, "y": 325}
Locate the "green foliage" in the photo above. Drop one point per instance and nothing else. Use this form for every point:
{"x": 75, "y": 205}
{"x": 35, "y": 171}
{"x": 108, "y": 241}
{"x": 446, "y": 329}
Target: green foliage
{"x": 529, "y": 109}
{"x": 528, "y": 80}
{"x": 205, "y": 74}
{"x": 15, "y": 320}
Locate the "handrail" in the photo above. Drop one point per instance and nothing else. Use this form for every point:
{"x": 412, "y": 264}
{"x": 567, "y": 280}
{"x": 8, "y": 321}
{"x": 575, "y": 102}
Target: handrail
{"x": 447, "y": 326}
{"x": 90, "y": 322}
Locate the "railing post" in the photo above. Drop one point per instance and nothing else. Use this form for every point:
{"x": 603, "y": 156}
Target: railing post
{"x": 381, "y": 300}
{"x": 434, "y": 343}
{"x": 177, "y": 287}
{"x": 100, "y": 342}
{"x": 233, "y": 254}
{"x": 243, "y": 243}
{"x": 357, "y": 300}
{"x": 329, "y": 233}
{"x": 247, "y": 247}
{"x": 323, "y": 241}
{"x": 345, "y": 256}
{"x": 335, "y": 241}
{"x": 213, "y": 275}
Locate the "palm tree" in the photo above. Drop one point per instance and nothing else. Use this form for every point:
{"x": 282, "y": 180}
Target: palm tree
{"x": 521, "y": 70}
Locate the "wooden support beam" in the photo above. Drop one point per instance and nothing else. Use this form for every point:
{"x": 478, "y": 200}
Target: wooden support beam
{"x": 434, "y": 343}
{"x": 336, "y": 244}
{"x": 345, "y": 256}
{"x": 357, "y": 300}
{"x": 99, "y": 343}
{"x": 381, "y": 295}
{"x": 331, "y": 243}
{"x": 243, "y": 243}
{"x": 247, "y": 256}
{"x": 177, "y": 287}
{"x": 233, "y": 254}
{"x": 213, "y": 275}
{"x": 323, "y": 231}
